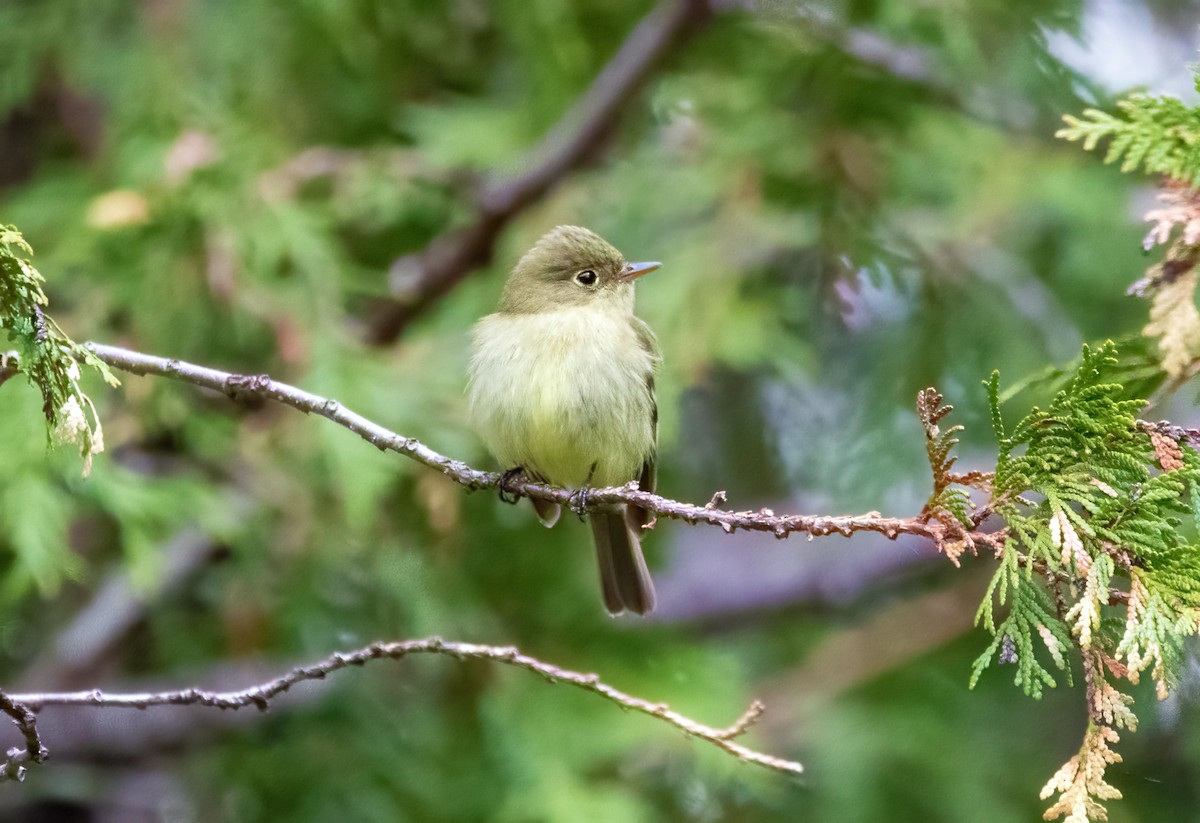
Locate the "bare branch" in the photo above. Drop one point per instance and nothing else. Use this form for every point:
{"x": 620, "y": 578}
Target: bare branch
{"x": 23, "y": 706}
{"x": 420, "y": 278}
{"x": 743, "y": 723}
{"x": 240, "y": 386}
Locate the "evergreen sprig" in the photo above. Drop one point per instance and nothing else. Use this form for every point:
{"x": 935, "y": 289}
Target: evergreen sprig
{"x": 1158, "y": 134}
{"x": 1093, "y": 507}
{"x": 947, "y": 495}
{"x": 48, "y": 357}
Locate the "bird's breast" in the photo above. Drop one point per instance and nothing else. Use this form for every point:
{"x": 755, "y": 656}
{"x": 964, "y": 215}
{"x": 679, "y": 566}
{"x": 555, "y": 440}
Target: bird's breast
{"x": 560, "y": 392}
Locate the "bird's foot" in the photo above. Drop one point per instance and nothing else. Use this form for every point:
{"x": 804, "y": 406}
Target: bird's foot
{"x": 507, "y": 495}
{"x": 578, "y": 501}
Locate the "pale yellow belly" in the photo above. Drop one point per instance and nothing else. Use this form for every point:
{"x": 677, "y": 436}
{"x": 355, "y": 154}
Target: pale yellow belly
{"x": 564, "y": 395}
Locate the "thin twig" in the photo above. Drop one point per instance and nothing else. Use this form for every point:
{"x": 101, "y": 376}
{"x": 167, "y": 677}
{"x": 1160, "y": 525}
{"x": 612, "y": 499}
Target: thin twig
{"x": 260, "y": 695}
{"x": 421, "y": 278}
{"x": 240, "y": 386}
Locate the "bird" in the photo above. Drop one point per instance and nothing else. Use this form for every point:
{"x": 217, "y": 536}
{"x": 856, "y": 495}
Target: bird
{"x": 561, "y": 391}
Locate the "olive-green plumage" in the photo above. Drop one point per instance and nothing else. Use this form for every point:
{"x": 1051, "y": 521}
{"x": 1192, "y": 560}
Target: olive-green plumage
{"x": 562, "y": 386}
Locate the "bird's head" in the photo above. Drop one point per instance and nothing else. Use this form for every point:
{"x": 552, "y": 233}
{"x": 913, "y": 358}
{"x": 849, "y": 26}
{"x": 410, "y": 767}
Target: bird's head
{"x": 570, "y": 266}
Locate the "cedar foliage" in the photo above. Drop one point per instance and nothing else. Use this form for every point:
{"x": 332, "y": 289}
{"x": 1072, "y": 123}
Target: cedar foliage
{"x": 49, "y": 359}
{"x": 1096, "y": 556}
{"x": 1100, "y": 509}
{"x": 1160, "y": 135}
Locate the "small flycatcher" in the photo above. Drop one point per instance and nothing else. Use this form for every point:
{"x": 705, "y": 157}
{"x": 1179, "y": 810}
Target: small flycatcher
{"x": 562, "y": 387}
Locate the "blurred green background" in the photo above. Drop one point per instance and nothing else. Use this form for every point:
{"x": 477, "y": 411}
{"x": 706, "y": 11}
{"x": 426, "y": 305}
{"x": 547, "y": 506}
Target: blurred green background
{"x": 854, "y": 199}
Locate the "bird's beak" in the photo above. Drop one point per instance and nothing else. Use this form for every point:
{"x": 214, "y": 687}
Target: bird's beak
{"x": 633, "y": 271}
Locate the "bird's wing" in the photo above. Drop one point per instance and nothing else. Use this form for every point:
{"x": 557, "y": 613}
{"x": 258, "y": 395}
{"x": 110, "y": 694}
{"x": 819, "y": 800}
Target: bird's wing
{"x": 648, "y": 480}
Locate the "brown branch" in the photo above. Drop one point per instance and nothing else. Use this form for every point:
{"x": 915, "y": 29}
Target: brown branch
{"x": 419, "y": 279}
{"x": 23, "y": 706}
{"x": 975, "y": 479}
{"x": 240, "y": 387}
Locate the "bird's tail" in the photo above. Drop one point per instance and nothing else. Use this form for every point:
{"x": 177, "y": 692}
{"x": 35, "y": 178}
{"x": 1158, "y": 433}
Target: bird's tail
{"x": 624, "y": 579}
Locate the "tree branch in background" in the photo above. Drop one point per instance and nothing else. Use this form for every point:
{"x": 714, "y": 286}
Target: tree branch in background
{"x": 420, "y": 278}
{"x": 88, "y": 642}
{"x": 23, "y": 707}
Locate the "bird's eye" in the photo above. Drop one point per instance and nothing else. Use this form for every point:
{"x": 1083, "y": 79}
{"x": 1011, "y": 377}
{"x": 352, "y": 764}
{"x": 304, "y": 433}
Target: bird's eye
{"x": 586, "y": 277}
